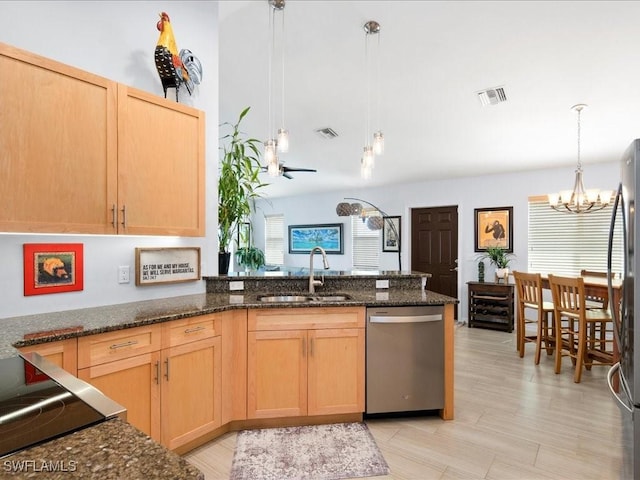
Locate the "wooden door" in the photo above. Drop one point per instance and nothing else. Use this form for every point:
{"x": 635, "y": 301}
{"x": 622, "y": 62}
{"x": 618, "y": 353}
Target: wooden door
{"x": 277, "y": 374}
{"x": 160, "y": 165}
{"x": 58, "y": 146}
{"x": 434, "y": 247}
{"x": 132, "y": 382}
{"x": 191, "y": 395}
{"x": 336, "y": 371}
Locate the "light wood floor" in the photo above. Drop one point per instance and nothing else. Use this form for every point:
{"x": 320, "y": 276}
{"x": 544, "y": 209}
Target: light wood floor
{"x": 513, "y": 420}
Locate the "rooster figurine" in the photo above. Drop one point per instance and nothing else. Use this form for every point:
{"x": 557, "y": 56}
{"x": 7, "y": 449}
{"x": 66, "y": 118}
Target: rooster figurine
{"x": 175, "y": 68}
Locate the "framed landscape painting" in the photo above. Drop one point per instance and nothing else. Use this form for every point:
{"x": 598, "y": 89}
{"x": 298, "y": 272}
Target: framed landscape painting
{"x": 329, "y": 236}
{"x": 493, "y": 228}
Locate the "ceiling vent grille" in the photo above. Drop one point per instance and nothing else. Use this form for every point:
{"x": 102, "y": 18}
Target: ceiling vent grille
{"x": 492, "y": 96}
{"x": 327, "y": 133}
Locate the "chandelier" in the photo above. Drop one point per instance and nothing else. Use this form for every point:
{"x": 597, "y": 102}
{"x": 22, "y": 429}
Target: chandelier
{"x": 374, "y": 143}
{"x": 579, "y": 200}
{"x": 278, "y": 143}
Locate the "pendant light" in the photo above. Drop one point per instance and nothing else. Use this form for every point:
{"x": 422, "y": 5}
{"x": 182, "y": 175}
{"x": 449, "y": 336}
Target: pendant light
{"x": 374, "y": 143}
{"x": 278, "y": 143}
{"x": 579, "y": 200}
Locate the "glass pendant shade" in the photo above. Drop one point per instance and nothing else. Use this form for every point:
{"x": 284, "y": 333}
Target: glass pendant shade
{"x": 378, "y": 143}
{"x": 273, "y": 167}
{"x": 269, "y": 151}
{"x": 283, "y": 140}
{"x": 368, "y": 159}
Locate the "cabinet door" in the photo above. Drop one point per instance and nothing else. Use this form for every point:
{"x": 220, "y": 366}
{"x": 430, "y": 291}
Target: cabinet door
{"x": 133, "y": 383}
{"x": 336, "y": 371}
{"x": 58, "y": 146}
{"x": 63, "y": 353}
{"x": 277, "y": 374}
{"x": 191, "y": 396}
{"x": 160, "y": 165}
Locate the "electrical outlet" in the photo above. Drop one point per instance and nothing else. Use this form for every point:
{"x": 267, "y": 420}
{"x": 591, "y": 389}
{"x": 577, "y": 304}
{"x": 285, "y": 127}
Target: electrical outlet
{"x": 123, "y": 274}
{"x": 382, "y": 283}
{"x": 235, "y": 286}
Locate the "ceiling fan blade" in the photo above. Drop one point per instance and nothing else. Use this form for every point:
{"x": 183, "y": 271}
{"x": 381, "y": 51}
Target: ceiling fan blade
{"x": 294, "y": 169}
{"x": 286, "y": 175}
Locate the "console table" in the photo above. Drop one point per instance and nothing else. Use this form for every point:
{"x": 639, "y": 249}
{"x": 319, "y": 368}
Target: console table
{"x": 491, "y": 305}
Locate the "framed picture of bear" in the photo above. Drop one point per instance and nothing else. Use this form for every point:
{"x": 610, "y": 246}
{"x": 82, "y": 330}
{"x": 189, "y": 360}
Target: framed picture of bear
{"x": 53, "y": 268}
{"x": 493, "y": 228}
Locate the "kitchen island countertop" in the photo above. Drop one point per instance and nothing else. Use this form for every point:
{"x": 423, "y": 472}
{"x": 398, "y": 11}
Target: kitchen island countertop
{"x": 93, "y": 453}
{"x": 33, "y": 329}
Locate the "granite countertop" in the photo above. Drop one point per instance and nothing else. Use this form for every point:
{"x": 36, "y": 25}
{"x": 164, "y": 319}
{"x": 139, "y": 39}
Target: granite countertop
{"x": 21, "y": 331}
{"x": 93, "y": 453}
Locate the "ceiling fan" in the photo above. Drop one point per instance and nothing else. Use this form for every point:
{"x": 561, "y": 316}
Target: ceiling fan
{"x": 284, "y": 170}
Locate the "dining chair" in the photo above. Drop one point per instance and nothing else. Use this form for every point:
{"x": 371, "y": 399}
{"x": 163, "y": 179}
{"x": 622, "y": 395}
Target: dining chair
{"x": 600, "y": 300}
{"x": 530, "y": 297}
{"x": 573, "y": 326}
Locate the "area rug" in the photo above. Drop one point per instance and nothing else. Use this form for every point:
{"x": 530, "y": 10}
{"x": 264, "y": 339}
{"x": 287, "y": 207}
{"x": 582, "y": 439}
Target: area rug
{"x": 318, "y": 452}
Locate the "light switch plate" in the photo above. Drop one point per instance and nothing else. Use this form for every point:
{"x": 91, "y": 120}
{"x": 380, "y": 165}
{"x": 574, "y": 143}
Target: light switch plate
{"x": 235, "y": 286}
{"x": 382, "y": 283}
{"x": 123, "y": 274}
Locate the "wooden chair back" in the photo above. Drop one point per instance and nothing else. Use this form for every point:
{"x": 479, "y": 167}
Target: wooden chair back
{"x": 568, "y": 295}
{"x": 600, "y": 300}
{"x": 529, "y": 288}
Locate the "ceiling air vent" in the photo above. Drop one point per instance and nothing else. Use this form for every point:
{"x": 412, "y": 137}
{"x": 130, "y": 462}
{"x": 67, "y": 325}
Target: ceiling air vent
{"x": 327, "y": 132}
{"x": 492, "y": 96}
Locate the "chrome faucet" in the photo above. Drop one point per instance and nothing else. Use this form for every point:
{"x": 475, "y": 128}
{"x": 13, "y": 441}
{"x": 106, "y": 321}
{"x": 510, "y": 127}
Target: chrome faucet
{"x": 316, "y": 283}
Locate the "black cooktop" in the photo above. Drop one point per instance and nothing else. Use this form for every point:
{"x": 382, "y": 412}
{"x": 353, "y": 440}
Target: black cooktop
{"x": 34, "y": 408}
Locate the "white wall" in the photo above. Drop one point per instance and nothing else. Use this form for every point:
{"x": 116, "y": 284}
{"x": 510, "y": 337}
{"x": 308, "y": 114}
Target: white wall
{"x": 467, "y": 193}
{"x": 114, "y": 39}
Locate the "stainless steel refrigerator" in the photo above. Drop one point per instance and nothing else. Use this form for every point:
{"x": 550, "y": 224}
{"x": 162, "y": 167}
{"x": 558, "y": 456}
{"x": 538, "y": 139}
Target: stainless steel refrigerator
{"x": 624, "y": 372}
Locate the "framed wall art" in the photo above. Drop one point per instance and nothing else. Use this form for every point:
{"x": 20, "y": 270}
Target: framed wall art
{"x": 493, "y": 228}
{"x": 329, "y": 236}
{"x": 167, "y": 265}
{"x": 53, "y": 268}
{"x": 391, "y": 234}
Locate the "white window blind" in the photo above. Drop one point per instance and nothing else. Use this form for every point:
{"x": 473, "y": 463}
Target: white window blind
{"x": 365, "y": 244}
{"x": 564, "y": 243}
{"x": 274, "y": 239}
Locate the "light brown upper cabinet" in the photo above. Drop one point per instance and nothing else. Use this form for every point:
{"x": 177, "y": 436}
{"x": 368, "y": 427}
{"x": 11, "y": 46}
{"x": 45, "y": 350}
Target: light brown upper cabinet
{"x": 83, "y": 154}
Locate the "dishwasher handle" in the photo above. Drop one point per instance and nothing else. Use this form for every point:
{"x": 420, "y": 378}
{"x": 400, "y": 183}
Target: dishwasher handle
{"x": 405, "y": 318}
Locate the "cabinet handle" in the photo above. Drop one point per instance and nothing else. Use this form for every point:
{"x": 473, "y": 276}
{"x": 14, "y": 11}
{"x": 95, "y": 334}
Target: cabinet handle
{"x": 129, "y": 343}
{"x": 166, "y": 375}
{"x": 304, "y": 349}
{"x": 114, "y": 217}
{"x": 194, "y": 329}
{"x": 157, "y": 379}
{"x": 311, "y": 348}
{"x": 124, "y": 216}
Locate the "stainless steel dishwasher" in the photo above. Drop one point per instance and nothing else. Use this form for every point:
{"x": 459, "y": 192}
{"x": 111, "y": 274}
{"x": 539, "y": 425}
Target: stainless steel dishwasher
{"x": 405, "y": 359}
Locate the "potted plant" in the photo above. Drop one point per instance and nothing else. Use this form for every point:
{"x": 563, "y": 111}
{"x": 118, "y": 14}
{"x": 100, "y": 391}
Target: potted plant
{"x": 250, "y": 257}
{"x": 500, "y": 258}
{"x": 238, "y": 185}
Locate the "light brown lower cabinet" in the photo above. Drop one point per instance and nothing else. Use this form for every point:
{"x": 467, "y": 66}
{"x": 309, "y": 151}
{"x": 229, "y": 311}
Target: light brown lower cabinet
{"x": 305, "y": 362}
{"x": 167, "y": 376}
{"x": 63, "y": 353}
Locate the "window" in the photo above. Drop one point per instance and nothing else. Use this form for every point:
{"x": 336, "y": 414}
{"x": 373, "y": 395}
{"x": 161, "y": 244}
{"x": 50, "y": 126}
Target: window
{"x": 564, "y": 244}
{"x": 274, "y": 239}
{"x": 365, "y": 244}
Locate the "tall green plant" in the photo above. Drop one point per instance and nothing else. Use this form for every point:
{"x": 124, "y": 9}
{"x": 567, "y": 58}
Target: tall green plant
{"x": 238, "y": 182}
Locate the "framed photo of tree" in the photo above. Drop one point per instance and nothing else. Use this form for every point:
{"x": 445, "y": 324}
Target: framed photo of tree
{"x": 493, "y": 227}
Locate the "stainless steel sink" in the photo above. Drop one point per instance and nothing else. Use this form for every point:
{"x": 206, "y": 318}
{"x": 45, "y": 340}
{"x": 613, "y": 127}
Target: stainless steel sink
{"x": 302, "y": 298}
{"x": 284, "y": 298}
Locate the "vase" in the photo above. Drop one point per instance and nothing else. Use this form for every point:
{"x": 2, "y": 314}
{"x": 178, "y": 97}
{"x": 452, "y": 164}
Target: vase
{"x": 502, "y": 273}
{"x": 224, "y": 258}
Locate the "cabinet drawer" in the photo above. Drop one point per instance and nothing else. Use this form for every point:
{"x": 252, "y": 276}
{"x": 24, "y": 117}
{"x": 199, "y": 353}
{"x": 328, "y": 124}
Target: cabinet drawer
{"x": 107, "y": 347}
{"x": 306, "y": 318}
{"x": 178, "y": 332}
